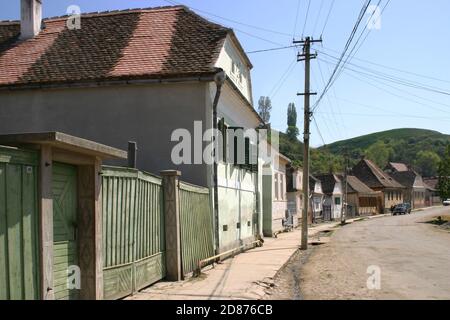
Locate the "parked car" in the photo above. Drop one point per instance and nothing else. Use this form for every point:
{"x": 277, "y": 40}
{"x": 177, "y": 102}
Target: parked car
{"x": 446, "y": 202}
{"x": 404, "y": 208}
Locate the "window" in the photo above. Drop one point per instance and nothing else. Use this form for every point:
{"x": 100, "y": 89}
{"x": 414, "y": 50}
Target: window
{"x": 281, "y": 186}
{"x": 337, "y": 201}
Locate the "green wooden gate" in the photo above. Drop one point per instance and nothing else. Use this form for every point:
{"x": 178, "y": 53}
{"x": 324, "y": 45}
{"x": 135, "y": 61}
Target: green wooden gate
{"x": 65, "y": 252}
{"x": 19, "y": 259}
{"x": 197, "y": 239}
{"x": 133, "y": 231}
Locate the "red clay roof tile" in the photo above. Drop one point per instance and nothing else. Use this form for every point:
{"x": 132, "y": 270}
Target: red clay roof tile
{"x": 131, "y": 44}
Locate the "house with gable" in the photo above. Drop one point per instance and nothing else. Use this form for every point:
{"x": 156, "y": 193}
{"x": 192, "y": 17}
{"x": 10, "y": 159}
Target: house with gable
{"x": 139, "y": 75}
{"x": 360, "y": 199}
{"x": 332, "y": 188}
{"x": 378, "y": 180}
{"x": 416, "y": 189}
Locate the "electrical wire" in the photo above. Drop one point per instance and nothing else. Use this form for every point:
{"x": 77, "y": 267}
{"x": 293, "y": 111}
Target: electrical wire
{"x": 306, "y": 18}
{"x": 328, "y": 18}
{"x": 318, "y": 17}
{"x": 296, "y": 18}
{"x": 347, "y": 46}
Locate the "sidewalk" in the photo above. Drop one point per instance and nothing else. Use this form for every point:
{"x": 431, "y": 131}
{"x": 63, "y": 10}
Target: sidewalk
{"x": 246, "y": 276}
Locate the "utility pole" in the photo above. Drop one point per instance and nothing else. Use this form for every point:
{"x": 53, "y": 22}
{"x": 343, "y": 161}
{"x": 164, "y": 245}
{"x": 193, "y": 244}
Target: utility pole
{"x": 344, "y": 200}
{"x": 306, "y": 56}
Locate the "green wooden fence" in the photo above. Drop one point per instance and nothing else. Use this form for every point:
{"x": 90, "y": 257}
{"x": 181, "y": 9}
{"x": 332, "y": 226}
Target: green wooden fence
{"x": 19, "y": 258}
{"x": 133, "y": 231}
{"x": 197, "y": 239}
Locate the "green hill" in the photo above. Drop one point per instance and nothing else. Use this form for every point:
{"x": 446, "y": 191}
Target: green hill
{"x": 412, "y": 136}
{"x": 422, "y": 149}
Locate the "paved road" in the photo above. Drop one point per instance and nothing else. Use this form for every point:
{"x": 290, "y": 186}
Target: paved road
{"x": 413, "y": 257}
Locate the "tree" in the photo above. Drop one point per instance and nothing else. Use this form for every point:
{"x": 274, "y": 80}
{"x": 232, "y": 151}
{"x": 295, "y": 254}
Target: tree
{"x": 427, "y": 163}
{"x": 292, "y": 130}
{"x": 379, "y": 153}
{"x": 264, "y": 108}
{"x": 444, "y": 175}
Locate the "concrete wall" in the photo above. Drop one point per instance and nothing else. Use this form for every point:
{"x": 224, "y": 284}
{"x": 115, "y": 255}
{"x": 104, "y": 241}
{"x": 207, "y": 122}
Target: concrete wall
{"x": 113, "y": 116}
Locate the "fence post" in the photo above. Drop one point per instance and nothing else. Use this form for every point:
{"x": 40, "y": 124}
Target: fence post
{"x": 172, "y": 224}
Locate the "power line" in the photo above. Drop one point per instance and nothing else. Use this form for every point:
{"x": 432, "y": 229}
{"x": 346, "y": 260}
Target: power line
{"x": 397, "y": 95}
{"x": 283, "y": 79}
{"x": 271, "y": 49}
{"x": 306, "y": 18}
{"x": 318, "y": 16}
{"x": 388, "y": 112}
{"x": 350, "y": 56}
{"x": 347, "y": 46}
{"x": 328, "y": 17}
{"x": 230, "y": 20}
{"x": 386, "y": 116}
{"x": 296, "y": 18}
{"x": 389, "y": 67}
{"x": 329, "y": 101}
{"x": 398, "y": 80}
{"x": 318, "y": 130}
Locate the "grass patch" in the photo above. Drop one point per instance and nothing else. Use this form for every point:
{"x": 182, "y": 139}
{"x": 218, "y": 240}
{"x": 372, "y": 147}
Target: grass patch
{"x": 439, "y": 220}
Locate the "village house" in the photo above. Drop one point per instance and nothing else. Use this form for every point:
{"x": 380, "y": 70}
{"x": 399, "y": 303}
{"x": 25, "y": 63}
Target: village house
{"x": 275, "y": 196}
{"x": 332, "y": 188}
{"x": 432, "y": 197}
{"x": 361, "y": 200}
{"x": 294, "y": 187}
{"x": 416, "y": 190}
{"x": 316, "y": 199}
{"x": 295, "y": 196}
{"x": 378, "y": 180}
{"x": 138, "y": 75}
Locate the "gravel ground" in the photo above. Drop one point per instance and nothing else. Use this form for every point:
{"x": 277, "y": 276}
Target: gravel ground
{"x": 413, "y": 257}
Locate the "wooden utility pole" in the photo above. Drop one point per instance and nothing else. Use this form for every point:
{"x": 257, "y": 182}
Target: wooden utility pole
{"x": 345, "y": 196}
{"x": 306, "y": 56}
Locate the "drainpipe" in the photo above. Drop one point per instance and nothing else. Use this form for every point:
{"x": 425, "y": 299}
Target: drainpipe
{"x": 219, "y": 79}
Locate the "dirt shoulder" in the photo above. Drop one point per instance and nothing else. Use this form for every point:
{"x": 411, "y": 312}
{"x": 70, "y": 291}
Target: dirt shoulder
{"x": 413, "y": 259}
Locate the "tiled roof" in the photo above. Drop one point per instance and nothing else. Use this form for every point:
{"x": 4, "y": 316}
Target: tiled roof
{"x": 399, "y": 167}
{"x": 371, "y": 175}
{"x": 134, "y": 44}
{"x": 432, "y": 183}
{"x": 354, "y": 185}
{"x": 328, "y": 182}
{"x": 406, "y": 178}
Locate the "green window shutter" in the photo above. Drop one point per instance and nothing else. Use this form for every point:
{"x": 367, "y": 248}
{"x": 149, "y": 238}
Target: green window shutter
{"x": 235, "y": 155}
{"x": 247, "y": 153}
{"x": 225, "y": 144}
{"x": 254, "y": 152}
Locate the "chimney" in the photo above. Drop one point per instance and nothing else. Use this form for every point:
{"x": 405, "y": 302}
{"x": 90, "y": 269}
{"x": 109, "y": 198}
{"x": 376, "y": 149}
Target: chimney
{"x": 31, "y": 18}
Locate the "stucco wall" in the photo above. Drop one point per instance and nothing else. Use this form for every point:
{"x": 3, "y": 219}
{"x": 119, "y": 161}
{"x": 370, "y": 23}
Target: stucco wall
{"x": 113, "y": 115}
{"x": 237, "y": 188}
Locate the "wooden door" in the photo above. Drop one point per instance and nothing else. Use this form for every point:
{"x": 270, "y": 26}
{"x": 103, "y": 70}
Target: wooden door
{"x": 19, "y": 258}
{"x": 64, "y": 231}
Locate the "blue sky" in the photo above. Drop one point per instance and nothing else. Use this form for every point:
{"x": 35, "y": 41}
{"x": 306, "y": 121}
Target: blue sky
{"x": 413, "y": 38}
